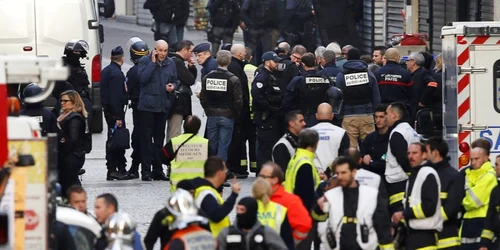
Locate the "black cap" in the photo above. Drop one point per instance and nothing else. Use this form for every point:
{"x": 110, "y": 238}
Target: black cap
{"x": 270, "y": 55}
{"x": 201, "y": 48}
{"x": 118, "y": 51}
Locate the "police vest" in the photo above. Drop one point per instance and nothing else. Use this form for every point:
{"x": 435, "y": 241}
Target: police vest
{"x": 194, "y": 237}
{"x": 365, "y": 177}
{"x": 190, "y": 159}
{"x": 250, "y": 72}
{"x": 301, "y": 157}
{"x": 271, "y": 215}
{"x": 236, "y": 240}
{"x": 313, "y": 93}
{"x": 330, "y": 137}
{"x": 271, "y": 93}
{"x": 367, "y": 203}
{"x": 218, "y": 89}
{"x": 393, "y": 171}
{"x": 434, "y": 222}
{"x": 285, "y": 141}
{"x": 199, "y": 195}
{"x": 357, "y": 89}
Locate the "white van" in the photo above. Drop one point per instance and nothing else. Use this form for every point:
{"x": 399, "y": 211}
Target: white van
{"x": 43, "y": 27}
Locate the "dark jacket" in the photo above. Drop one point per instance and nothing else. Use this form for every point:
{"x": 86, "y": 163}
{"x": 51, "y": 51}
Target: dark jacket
{"x": 254, "y": 15}
{"x": 64, "y": 238}
{"x": 181, "y": 13}
{"x": 72, "y": 135}
{"x": 424, "y": 88}
{"x": 394, "y": 83}
{"x": 210, "y": 206}
{"x": 113, "y": 93}
{"x": 154, "y": 78}
{"x": 187, "y": 78}
{"x": 209, "y": 65}
{"x": 236, "y": 96}
{"x": 281, "y": 156}
{"x": 492, "y": 222}
{"x": 236, "y": 67}
{"x": 230, "y": 11}
{"x": 266, "y": 99}
{"x": 162, "y": 10}
{"x": 48, "y": 122}
{"x": 133, "y": 85}
{"x": 359, "y": 66}
{"x": 297, "y": 93}
{"x": 375, "y": 145}
{"x": 331, "y": 70}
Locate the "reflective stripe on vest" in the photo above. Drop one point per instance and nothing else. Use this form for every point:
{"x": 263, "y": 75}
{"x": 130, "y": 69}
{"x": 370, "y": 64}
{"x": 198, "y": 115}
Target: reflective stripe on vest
{"x": 288, "y": 145}
{"x": 190, "y": 159}
{"x": 299, "y": 159}
{"x": 194, "y": 237}
{"x": 271, "y": 215}
{"x": 199, "y": 195}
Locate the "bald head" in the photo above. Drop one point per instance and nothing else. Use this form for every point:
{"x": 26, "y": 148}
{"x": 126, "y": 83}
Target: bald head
{"x": 284, "y": 46}
{"x": 346, "y": 48}
{"x": 161, "y": 48}
{"x": 237, "y": 48}
{"x": 324, "y": 112}
{"x": 392, "y": 54}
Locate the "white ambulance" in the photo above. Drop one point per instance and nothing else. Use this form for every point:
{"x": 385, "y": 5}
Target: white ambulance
{"x": 471, "y": 87}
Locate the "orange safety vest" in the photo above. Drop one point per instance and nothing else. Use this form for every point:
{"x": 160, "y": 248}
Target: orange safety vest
{"x": 202, "y": 239}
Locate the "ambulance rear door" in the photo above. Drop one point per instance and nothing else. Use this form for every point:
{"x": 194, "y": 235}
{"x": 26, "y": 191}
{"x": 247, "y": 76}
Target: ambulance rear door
{"x": 485, "y": 93}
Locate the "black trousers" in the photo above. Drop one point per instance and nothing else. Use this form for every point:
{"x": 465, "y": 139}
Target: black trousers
{"x": 267, "y": 136}
{"x": 237, "y": 160}
{"x": 136, "y": 139}
{"x": 396, "y": 193}
{"x": 152, "y": 137}
{"x": 115, "y": 159}
{"x": 69, "y": 165}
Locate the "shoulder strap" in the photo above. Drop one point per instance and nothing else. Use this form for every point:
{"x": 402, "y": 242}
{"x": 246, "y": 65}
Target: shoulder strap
{"x": 182, "y": 144}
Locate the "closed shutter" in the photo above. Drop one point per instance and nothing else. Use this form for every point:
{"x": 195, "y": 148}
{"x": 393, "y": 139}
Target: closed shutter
{"x": 443, "y": 12}
{"x": 394, "y": 18}
{"x": 423, "y": 16}
{"x": 473, "y": 10}
{"x": 373, "y": 24}
{"x": 487, "y": 13}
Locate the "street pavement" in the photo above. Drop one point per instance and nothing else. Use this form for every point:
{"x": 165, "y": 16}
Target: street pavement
{"x": 140, "y": 199}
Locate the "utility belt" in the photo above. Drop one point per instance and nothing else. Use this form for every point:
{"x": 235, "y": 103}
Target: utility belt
{"x": 330, "y": 235}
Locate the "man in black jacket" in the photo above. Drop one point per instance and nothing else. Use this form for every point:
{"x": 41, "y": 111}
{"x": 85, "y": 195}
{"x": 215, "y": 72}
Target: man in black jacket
{"x": 224, "y": 20}
{"x": 180, "y": 19}
{"x": 114, "y": 97}
{"x": 236, "y": 159}
{"x": 187, "y": 77}
{"x": 164, "y": 13}
{"x": 285, "y": 148}
{"x": 374, "y": 147}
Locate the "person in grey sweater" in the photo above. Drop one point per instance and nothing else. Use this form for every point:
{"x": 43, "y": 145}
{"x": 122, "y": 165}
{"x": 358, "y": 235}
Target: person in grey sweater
{"x": 249, "y": 233}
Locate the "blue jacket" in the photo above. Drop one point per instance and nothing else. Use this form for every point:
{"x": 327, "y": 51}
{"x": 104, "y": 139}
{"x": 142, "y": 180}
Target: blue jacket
{"x": 154, "y": 78}
{"x": 209, "y": 65}
{"x": 331, "y": 70}
{"x": 137, "y": 241}
{"x": 359, "y": 66}
{"x": 113, "y": 93}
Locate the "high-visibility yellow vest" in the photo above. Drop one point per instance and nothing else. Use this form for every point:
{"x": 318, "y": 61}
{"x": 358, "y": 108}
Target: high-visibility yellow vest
{"x": 478, "y": 186}
{"x": 301, "y": 157}
{"x": 271, "y": 215}
{"x": 250, "y": 72}
{"x": 190, "y": 159}
{"x": 199, "y": 195}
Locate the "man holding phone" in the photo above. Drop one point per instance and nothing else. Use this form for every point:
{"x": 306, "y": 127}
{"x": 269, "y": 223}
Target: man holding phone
{"x": 158, "y": 79}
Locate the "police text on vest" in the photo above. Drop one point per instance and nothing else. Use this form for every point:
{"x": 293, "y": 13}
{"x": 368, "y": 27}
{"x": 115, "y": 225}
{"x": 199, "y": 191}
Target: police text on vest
{"x": 356, "y": 79}
{"x": 216, "y": 85}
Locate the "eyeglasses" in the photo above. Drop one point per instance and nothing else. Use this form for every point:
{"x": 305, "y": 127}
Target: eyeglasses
{"x": 265, "y": 176}
{"x": 65, "y": 101}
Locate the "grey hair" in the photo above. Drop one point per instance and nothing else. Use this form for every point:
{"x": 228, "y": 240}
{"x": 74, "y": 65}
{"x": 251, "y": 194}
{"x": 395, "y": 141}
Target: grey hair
{"x": 335, "y": 47}
{"x": 284, "y": 46}
{"x": 237, "y": 48}
{"x": 329, "y": 56}
{"x": 418, "y": 58}
{"x": 319, "y": 51}
{"x": 299, "y": 49}
{"x": 308, "y": 138}
{"x": 223, "y": 58}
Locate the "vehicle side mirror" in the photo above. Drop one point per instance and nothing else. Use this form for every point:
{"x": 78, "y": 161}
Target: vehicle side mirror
{"x": 425, "y": 122}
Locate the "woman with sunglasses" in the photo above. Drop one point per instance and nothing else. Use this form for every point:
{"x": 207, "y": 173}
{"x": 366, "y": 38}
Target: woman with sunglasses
{"x": 72, "y": 142}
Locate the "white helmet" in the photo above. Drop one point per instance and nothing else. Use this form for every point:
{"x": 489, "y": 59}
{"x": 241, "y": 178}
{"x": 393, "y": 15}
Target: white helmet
{"x": 182, "y": 207}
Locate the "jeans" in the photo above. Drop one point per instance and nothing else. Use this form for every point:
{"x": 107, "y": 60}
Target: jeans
{"x": 219, "y": 131}
{"x": 180, "y": 32}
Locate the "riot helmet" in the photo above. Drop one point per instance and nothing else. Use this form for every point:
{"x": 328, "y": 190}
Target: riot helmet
{"x": 31, "y": 90}
{"x": 335, "y": 98}
{"x": 226, "y": 46}
{"x": 74, "y": 50}
{"x": 183, "y": 208}
{"x": 138, "y": 48}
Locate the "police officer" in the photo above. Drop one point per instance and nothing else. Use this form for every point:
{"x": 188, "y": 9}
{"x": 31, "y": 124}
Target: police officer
{"x": 138, "y": 49}
{"x": 266, "y": 108}
{"x": 224, "y": 19}
{"x": 249, "y": 233}
{"x": 114, "y": 98}
{"x": 47, "y": 119}
{"x": 361, "y": 96}
{"x": 422, "y": 212}
{"x": 335, "y": 99}
{"x": 451, "y": 195}
{"x": 333, "y": 140}
{"x": 204, "y": 58}
{"x": 330, "y": 69}
{"x": 221, "y": 98}
{"x": 394, "y": 82}
{"x": 307, "y": 90}
{"x": 73, "y": 51}
{"x": 188, "y": 233}
{"x": 285, "y": 148}
{"x": 184, "y": 168}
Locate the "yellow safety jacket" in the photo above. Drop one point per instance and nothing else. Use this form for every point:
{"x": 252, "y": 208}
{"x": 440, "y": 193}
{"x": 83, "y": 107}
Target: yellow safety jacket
{"x": 199, "y": 195}
{"x": 301, "y": 157}
{"x": 271, "y": 215}
{"x": 190, "y": 159}
{"x": 478, "y": 186}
